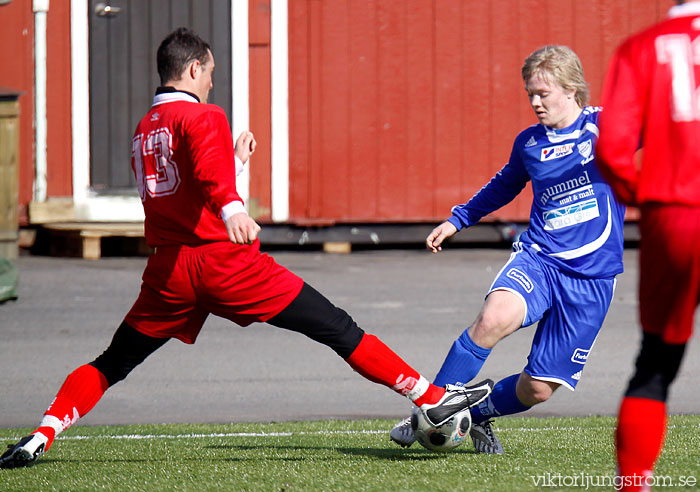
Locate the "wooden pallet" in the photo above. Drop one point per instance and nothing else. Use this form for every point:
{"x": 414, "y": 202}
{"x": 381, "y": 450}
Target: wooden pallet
{"x": 87, "y": 237}
{"x": 341, "y": 247}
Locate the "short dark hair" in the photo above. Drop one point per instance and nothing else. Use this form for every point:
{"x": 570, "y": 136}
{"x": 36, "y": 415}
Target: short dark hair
{"x": 180, "y": 48}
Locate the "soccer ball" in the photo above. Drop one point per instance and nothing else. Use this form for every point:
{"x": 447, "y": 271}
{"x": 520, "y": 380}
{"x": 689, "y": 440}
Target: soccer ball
{"x": 442, "y": 438}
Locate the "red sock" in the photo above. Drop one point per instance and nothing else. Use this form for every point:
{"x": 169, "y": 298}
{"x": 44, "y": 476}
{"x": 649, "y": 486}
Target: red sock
{"x": 431, "y": 395}
{"x": 640, "y": 434}
{"x": 81, "y": 391}
{"x": 378, "y": 363}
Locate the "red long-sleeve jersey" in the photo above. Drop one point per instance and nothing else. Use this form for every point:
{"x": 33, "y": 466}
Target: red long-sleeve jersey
{"x": 651, "y": 100}
{"x": 183, "y": 159}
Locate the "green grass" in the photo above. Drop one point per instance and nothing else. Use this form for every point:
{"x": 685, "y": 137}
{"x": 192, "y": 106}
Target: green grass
{"x": 335, "y": 455}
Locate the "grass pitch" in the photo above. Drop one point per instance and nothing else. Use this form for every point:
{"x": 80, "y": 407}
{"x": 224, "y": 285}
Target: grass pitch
{"x": 541, "y": 453}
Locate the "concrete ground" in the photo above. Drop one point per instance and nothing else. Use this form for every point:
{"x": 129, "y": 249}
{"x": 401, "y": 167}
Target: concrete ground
{"x": 416, "y": 302}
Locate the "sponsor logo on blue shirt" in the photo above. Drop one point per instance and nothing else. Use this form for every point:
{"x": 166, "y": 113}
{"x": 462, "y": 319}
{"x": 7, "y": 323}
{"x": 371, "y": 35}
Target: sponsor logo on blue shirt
{"x": 550, "y": 153}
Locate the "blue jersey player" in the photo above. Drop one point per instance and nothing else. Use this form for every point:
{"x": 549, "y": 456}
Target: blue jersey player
{"x": 562, "y": 271}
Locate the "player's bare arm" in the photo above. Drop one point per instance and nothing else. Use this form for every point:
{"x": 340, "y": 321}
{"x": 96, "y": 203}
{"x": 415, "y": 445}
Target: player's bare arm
{"x": 245, "y": 145}
{"x": 435, "y": 239}
{"x": 241, "y": 228}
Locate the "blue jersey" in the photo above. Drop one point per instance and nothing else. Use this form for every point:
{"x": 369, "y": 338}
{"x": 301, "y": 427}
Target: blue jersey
{"x": 575, "y": 221}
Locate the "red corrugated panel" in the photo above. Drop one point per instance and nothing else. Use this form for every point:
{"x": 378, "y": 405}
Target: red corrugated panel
{"x": 313, "y": 199}
{"x": 300, "y": 111}
{"x": 448, "y": 106}
{"x": 335, "y": 107}
{"x": 260, "y": 124}
{"x": 259, "y": 22}
{"x": 476, "y": 166}
{"x": 393, "y": 70}
{"x": 17, "y": 56}
{"x": 363, "y": 142}
{"x": 259, "y": 80}
{"x": 59, "y": 160}
{"x": 508, "y": 99}
{"x": 420, "y": 117}
{"x": 399, "y": 110}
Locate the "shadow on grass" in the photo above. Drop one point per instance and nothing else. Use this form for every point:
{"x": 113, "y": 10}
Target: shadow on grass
{"x": 36, "y": 464}
{"x": 391, "y": 454}
{"x": 418, "y": 454}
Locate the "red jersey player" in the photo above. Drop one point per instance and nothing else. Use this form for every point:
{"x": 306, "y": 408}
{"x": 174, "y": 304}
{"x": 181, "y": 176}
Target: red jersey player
{"x": 651, "y": 98}
{"x": 207, "y": 259}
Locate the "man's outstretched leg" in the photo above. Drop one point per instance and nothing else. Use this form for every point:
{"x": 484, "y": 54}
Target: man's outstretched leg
{"x": 81, "y": 391}
{"x": 378, "y": 363}
{"x": 315, "y": 316}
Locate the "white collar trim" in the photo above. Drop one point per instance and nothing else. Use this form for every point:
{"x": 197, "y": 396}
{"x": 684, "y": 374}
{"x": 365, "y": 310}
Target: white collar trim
{"x": 684, "y": 10}
{"x": 167, "y": 97}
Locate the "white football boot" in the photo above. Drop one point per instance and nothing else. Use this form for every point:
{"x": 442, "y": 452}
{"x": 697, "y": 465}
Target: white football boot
{"x": 25, "y": 452}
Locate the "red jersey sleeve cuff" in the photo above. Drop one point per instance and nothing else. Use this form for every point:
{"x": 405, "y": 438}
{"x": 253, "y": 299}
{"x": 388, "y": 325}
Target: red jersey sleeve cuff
{"x": 231, "y": 209}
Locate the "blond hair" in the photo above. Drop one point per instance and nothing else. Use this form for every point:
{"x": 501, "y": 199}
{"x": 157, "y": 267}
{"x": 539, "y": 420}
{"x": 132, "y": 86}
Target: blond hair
{"x": 562, "y": 65}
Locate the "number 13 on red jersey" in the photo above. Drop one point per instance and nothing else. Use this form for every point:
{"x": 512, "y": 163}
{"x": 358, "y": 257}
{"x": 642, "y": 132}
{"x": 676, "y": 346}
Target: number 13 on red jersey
{"x": 156, "y": 171}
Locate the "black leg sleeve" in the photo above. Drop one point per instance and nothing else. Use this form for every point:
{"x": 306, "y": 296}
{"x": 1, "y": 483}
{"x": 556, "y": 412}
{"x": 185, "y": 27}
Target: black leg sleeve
{"x": 128, "y": 349}
{"x": 316, "y": 317}
{"x": 656, "y": 368}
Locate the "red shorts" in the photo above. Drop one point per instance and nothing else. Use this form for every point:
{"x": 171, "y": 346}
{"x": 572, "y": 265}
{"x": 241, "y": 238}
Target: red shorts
{"x": 183, "y": 284}
{"x": 669, "y": 270}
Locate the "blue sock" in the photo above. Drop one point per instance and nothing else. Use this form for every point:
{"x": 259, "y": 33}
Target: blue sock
{"x": 502, "y": 401}
{"x": 462, "y": 363}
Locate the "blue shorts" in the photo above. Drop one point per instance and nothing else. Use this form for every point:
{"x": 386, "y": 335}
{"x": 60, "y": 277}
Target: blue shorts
{"x": 570, "y": 311}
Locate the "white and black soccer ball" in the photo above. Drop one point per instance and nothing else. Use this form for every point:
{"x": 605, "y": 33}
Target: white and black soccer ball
{"x": 442, "y": 438}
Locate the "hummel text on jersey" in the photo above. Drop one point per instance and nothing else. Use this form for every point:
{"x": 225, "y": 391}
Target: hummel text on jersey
{"x": 567, "y": 185}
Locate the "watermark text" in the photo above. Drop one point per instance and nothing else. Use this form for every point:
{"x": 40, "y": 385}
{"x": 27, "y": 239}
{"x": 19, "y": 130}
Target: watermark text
{"x": 586, "y": 482}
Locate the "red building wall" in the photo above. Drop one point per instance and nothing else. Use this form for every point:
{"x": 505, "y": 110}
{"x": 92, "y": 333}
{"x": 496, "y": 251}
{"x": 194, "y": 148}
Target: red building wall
{"x": 260, "y": 101}
{"x": 59, "y": 179}
{"x": 17, "y": 60}
{"x": 399, "y": 110}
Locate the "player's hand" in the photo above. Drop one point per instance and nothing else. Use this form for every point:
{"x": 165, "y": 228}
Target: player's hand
{"x": 242, "y": 229}
{"x": 440, "y": 233}
{"x": 245, "y": 145}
